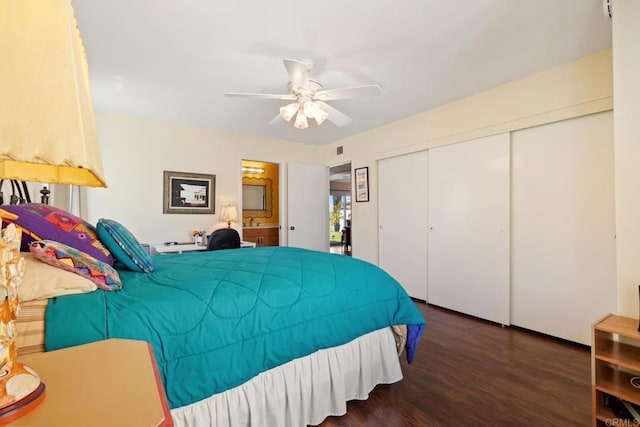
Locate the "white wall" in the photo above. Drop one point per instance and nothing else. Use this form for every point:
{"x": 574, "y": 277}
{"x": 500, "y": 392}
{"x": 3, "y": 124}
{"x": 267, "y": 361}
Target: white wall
{"x": 626, "y": 78}
{"x": 136, "y": 151}
{"x": 574, "y": 89}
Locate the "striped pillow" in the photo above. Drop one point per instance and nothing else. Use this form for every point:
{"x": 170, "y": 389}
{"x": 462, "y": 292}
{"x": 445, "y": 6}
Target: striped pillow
{"x": 124, "y": 246}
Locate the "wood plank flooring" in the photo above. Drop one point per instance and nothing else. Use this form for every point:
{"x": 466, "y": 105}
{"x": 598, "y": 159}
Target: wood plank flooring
{"x": 468, "y": 372}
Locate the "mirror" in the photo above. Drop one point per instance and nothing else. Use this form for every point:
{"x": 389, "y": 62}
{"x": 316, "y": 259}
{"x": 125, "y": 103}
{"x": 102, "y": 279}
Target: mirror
{"x": 253, "y": 197}
{"x": 257, "y": 197}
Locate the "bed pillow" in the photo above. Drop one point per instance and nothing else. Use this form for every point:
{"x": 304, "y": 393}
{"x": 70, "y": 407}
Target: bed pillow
{"x": 70, "y": 259}
{"x": 42, "y": 281}
{"x": 44, "y": 222}
{"x": 124, "y": 246}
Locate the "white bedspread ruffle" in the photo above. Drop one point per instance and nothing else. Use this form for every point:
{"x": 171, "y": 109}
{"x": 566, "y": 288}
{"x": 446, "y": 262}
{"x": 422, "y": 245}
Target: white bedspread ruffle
{"x": 304, "y": 391}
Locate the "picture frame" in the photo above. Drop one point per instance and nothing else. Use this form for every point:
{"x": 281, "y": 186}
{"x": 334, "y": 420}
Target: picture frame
{"x": 362, "y": 184}
{"x": 189, "y": 193}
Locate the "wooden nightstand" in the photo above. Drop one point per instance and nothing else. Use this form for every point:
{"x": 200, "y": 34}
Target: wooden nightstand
{"x": 106, "y": 383}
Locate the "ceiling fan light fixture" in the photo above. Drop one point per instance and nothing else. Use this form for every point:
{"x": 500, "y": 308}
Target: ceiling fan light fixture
{"x": 288, "y": 111}
{"x": 311, "y": 98}
{"x": 313, "y": 111}
{"x": 301, "y": 121}
{"x": 321, "y": 118}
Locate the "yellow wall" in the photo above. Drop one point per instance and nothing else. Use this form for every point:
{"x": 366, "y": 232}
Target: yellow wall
{"x": 271, "y": 171}
{"x": 577, "y": 88}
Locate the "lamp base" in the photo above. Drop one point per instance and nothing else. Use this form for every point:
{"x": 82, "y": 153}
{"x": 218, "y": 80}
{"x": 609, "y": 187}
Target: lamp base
{"x": 19, "y": 408}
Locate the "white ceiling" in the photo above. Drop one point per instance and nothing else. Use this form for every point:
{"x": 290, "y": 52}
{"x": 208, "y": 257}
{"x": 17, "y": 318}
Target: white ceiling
{"x": 174, "y": 60}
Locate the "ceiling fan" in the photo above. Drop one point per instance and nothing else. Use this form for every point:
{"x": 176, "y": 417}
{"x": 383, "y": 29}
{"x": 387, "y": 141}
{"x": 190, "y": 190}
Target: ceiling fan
{"x": 309, "y": 97}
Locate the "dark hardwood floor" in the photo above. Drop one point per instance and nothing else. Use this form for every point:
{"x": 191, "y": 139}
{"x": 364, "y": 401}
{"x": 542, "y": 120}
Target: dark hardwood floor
{"x": 469, "y": 372}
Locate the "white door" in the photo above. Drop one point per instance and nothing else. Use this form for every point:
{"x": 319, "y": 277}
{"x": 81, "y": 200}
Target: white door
{"x": 469, "y": 227}
{"x": 402, "y": 216}
{"x": 307, "y": 207}
{"x": 564, "y": 256}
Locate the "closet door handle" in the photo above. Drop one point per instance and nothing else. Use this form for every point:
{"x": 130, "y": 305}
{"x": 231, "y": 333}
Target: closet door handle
{"x": 292, "y": 228}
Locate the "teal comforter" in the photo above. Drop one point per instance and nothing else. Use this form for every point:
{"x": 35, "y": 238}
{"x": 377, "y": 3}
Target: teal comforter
{"x": 217, "y": 319}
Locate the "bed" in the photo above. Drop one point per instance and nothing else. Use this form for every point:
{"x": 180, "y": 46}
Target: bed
{"x": 253, "y": 336}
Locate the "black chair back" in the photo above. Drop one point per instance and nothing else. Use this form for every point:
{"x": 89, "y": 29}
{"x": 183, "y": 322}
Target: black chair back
{"x": 223, "y": 238}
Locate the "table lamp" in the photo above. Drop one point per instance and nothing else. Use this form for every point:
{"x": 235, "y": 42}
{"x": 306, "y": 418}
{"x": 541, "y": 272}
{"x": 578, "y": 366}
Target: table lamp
{"x": 229, "y": 214}
{"x": 47, "y": 134}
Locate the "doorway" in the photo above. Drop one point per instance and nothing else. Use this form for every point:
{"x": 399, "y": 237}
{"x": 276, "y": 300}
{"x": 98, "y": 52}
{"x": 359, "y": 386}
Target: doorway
{"x": 260, "y": 203}
{"x": 340, "y": 209}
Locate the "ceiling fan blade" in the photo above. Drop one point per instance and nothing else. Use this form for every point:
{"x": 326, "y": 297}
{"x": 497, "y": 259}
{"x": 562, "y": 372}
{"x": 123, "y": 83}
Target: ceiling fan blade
{"x": 262, "y": 95}
{"x": 276, "y": 120}
{"x": 298, "y": 74}
{"x": 348, "y": 92}
{"x": 336, "y": 117}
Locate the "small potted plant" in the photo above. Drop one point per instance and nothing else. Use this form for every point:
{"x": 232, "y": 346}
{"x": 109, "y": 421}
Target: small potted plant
{"x": 198, "y": 235}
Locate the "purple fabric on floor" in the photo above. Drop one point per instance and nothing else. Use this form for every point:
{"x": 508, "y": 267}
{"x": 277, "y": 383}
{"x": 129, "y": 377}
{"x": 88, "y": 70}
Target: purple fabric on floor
{"x": 414, "y": 332}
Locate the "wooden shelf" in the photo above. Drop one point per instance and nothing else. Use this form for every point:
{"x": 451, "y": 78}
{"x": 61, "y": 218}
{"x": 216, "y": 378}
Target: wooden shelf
{"x": 621, "y": 354}
{"x": 606, "y": 414}
{"x": 614, "y": 324}
{"x": 615, "y": 382}
{"x": 615, "y": 359}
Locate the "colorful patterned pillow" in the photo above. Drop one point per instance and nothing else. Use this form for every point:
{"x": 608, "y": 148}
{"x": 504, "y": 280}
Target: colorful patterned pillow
{"x": 70, "y": 259}
{"x": 44, "y": 222}
{"x": 124, "y": 246}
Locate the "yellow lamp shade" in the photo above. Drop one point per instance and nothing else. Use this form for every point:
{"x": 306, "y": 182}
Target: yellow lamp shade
{"x": 47, "y": 125}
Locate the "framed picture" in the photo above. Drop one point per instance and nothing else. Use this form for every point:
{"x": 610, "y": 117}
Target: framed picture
{"x": 362, "y": 184}
{"x": 189, "y": 193}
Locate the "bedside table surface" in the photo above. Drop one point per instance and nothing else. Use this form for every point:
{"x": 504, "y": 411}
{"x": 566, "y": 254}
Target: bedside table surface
{"x": 189, "y": 247}
{"x": 179, "y": 248}
{"x": 106, "y": 383}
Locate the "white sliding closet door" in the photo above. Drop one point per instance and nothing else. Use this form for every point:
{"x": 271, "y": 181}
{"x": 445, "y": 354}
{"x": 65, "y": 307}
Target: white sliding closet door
{"x": 402, "y": 205}
{"x": 469, "y": 227}
{"x": 563, "y": 260}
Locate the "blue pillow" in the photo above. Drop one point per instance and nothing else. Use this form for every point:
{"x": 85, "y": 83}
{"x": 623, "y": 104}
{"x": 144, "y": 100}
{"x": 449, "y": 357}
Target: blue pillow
{"x": 124, "y": 246}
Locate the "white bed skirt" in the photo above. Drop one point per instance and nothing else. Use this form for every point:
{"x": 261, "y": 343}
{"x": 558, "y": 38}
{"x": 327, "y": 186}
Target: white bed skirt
{"x": 304, "y": 391}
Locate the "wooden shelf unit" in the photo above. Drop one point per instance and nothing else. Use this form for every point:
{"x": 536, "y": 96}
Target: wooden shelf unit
{"x": 615, "y": 359}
